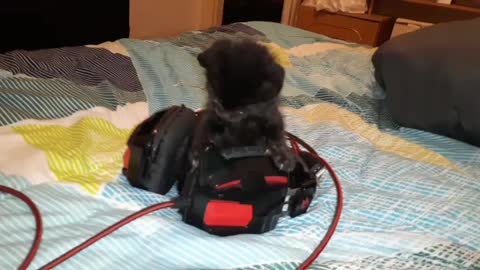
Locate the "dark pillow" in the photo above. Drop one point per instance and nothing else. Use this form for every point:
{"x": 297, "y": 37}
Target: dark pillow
{"x": 432, "y": 79}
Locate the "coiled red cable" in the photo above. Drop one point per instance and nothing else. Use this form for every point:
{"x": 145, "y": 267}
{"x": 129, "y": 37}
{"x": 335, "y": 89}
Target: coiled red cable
{"x": 179, "y": 203}
{"x": 338, "y": 210}
{"x": 38, "y": 222}
{"x": 336, "y": 218}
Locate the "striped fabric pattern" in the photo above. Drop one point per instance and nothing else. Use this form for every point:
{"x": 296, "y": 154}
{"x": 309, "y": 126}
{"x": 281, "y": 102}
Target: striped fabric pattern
{"x": 28, "y": 98}
{"x": 91, "y": 155}
{"x": 203, "y": 39}
{"x": 81, "y": 65}
{"x": 170, "y": 74}
{"x": 411, "y": 197}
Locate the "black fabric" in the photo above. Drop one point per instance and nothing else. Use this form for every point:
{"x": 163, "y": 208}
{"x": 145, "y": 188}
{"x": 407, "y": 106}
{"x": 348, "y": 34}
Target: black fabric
{"x": 432, "y": 79}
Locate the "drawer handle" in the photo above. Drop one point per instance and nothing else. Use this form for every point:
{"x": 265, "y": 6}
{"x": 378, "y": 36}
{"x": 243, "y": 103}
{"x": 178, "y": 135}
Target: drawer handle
{"x": 360, "y": 38}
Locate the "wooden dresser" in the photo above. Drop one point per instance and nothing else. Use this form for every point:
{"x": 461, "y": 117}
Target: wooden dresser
{"x": 366, "y": 29}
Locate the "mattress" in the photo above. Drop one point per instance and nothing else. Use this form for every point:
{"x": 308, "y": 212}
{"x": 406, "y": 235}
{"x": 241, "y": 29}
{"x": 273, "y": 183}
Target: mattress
{"x": 411, "y": 197}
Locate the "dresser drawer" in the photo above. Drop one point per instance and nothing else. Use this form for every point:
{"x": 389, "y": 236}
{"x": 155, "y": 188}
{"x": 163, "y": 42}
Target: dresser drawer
{"x": 366, "y": 29}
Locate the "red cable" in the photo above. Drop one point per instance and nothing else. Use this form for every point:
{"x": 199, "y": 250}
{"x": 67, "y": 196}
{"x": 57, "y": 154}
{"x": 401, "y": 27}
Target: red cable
{"x": 38, "y": 224}
{"x": 336, "y": 218}
{"x": 156, "y": 207}
{"x": 295, "y": 146}
{"x": 159, "y": 206}
{"x": 338, "y": 210}
{"x": 106, "y": 232}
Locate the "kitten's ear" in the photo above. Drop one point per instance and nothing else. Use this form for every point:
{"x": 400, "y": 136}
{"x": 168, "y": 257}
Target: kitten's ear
{"x": 279, "y": 71}
{"x": 272, "y": 84}
{"x": 277, "y": 76}
{"x": 210, "y": 55}
{"x": 203, "y": 59}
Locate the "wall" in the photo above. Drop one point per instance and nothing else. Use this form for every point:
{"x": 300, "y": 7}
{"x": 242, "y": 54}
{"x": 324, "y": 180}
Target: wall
{"x": 165, "y": 18}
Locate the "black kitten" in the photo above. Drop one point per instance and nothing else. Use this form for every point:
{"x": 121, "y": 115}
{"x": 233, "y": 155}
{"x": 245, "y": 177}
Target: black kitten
{"x": 244, "y": 84}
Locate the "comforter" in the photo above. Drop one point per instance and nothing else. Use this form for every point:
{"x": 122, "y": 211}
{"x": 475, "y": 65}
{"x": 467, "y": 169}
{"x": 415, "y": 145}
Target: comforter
{"x": 411, "y": 197}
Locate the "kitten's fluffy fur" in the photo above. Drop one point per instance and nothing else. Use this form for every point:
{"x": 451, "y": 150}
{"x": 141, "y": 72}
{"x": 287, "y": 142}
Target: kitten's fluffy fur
{"x": 243, "y": 83}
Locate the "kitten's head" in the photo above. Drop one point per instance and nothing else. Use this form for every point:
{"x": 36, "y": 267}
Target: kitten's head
{"x": 241, "y": 73}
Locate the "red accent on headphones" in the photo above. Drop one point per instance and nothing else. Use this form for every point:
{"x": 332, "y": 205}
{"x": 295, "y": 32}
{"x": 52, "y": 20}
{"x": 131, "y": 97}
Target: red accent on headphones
{"x": 272, "y": 180}
{"x": 228, "y": 214}
{"x": 126, "y": 158}
{"x": 231, "y": 184}
{"x": 306, "y": 203}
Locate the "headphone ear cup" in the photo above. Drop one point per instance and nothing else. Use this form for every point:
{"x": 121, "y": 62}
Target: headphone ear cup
{"x": 162, "y": 160}
{"x": 171, "y": 152}
{"x": 300, "y": 201}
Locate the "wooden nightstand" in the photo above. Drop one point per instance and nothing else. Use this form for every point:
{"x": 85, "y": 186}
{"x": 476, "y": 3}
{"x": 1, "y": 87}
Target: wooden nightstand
{"x": 366, "y": 29}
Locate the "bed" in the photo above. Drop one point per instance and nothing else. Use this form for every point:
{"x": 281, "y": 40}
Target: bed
{"x": 411, "y": 197}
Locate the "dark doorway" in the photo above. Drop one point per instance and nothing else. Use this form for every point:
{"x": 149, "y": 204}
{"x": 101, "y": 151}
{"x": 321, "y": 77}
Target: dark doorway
{"x": 34, "y": 24}
{"x": 252, "y": 10}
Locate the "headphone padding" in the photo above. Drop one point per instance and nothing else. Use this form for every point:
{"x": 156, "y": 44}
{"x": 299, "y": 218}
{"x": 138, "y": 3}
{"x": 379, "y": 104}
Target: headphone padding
{"x": 171, "y": 135}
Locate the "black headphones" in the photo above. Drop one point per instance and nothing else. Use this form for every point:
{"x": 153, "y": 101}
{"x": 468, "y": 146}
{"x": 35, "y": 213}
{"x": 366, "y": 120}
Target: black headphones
{"x": 231, "y": 191}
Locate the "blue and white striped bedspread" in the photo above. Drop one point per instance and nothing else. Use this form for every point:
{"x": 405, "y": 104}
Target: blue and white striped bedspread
{"x": 411, "y": 198}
